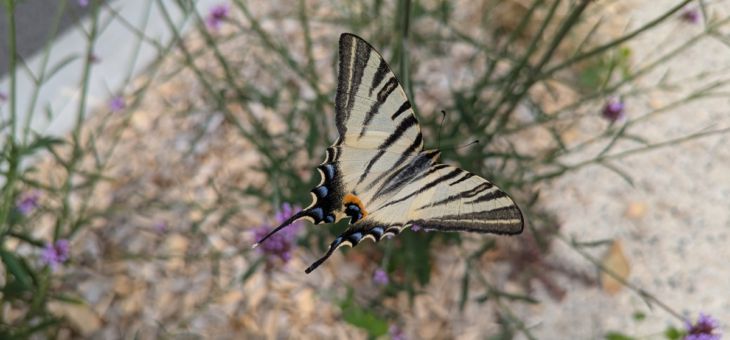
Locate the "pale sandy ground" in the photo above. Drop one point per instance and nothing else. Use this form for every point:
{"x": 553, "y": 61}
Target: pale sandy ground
{"x": 678, "y": 249}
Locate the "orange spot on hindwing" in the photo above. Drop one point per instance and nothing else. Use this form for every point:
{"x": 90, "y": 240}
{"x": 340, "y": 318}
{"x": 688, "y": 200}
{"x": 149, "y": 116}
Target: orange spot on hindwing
{"x": 354, "y": 208}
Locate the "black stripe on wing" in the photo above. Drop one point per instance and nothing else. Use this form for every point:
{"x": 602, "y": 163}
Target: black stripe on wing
{"x": 468, "y": 194}
{"x": 351, "y": 70}
{"x": 383, "y": 95}
{"x": 399, "y": 132}
{"x": 426, "y": 187}
{"x": 403, "y": 108}
{"x": 380, "y": 74}
{"x": 370, "y": 166}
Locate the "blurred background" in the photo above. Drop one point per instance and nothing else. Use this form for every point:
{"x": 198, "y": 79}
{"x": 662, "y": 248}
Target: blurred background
{"x": 147, "y": 144}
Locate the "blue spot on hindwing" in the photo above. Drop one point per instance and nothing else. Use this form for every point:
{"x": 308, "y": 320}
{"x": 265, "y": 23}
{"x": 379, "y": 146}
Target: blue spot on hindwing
{"x": 359, "y": 216}
{"x": 316, "y": 213}
{"x": 329, "y": 171}
{"x": 321, "y": 191}
{"x": 355, "y": 238}
{"x": 329, "y": 218}
{"x": 377, "y": 231}
{"x": 353, "y": 207}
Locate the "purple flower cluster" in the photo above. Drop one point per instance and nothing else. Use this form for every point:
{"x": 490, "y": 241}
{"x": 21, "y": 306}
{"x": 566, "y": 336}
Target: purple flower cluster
{"x": 395, "y": 333}
{"x": 283, "y": 242}
{"x": 703, "y": 329}
{"x": 3, "y": 96}
{"x": 55, "y": 254}
{"x": 614, "y": 110}
{"x": 691, "y": 16}
{"x": 83, "y": 3}
{"x": 216, "y": 16}
{"x": 380, "y": 277}
{"x": 28, "y": 201}
{"x": 117, "y": 104}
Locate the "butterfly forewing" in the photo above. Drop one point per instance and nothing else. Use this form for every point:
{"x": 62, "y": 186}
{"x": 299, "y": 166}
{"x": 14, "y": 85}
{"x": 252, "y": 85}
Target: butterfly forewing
{"x": 371, "y": 108}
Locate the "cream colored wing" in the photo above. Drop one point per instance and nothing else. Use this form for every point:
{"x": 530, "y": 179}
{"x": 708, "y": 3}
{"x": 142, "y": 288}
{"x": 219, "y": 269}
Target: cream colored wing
{"x": 371, "y": 108}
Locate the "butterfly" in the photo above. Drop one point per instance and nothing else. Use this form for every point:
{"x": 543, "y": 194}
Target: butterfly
{"x": 378, "y": 174}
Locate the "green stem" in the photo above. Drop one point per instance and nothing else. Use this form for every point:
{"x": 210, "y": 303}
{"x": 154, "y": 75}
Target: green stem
{"x": 80, "y": 115}
{"x": 13, "y": 161}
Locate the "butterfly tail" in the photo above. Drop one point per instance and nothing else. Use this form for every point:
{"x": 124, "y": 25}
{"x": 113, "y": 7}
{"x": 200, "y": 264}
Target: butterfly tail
{"x": 336, "y": 244}
{"x": 301, "y": 214}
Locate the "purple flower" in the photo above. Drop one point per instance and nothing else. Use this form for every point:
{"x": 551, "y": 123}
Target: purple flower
{"x": 160, "y": 227}
{"x": 614, "y": 110}
{"x": 28, "y": 201}
{"x": 395, "y": 333}
{"x": 283, "y": 242}
{"x": 416, "y": 228}
{"x": 380, "y": 277}
{"x": 83, "y": 3}
{"x": 217, "y": 14}
{"x": 53, "y": 254}
{"x": 3, "y": 96}
{"x": 117, "y": 104}
{"x": 703, "y": 329}
{"x": 691, "y": 16}
{"x": 389, "y": 236}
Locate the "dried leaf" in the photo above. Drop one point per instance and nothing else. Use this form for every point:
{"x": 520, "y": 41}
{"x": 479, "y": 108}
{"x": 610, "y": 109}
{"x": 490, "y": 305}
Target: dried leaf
{"x": 636, "y": 210}
{"x": 615, "y": 261}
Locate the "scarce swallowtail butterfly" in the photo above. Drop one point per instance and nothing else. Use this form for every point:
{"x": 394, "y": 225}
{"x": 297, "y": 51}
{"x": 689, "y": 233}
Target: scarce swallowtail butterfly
{"x": 378, "y": 174}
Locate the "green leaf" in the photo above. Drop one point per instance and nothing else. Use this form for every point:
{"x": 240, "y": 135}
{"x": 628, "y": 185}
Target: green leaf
{"x": 674, "y": 334}
{"x": 515, "y": 297}
{"x": 358, "y": 317}
{"x": 69, "y": 299}
{"x": 14, "y": 267}
{"x": 464, "y": 290}
{"x": 611, "y": 335}
{"x": 41, "y": 143}
{"x": 594, "y": 243}
{"x": 482, "y": 298}
{"x": 639, "y": 316}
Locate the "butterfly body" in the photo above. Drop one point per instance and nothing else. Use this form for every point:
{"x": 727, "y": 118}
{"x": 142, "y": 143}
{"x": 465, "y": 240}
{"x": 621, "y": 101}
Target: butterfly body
{"x": 378, "y": 174}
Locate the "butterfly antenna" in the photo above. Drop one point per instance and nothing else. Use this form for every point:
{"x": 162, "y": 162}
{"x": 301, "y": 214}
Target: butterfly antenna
{"x": 463, "y": 146}
{"x": 440, "y": 126}
{"x": 282, "y": 226}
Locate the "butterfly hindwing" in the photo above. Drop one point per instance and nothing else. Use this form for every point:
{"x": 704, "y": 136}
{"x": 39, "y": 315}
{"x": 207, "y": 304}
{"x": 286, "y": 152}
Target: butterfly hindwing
{"x": 444, "y": 198}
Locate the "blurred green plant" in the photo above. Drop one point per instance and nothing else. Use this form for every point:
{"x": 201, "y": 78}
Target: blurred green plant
{"x": 506, "y": 68}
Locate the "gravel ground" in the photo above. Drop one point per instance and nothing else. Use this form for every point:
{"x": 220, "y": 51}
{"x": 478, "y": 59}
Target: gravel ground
{"x": 674, "y": 223}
